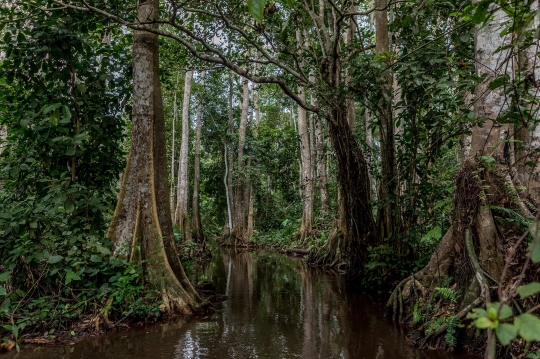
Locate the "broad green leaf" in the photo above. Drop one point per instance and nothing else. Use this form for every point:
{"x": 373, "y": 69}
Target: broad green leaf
{"x": 70, "y": 275}
{"x": 95, "y": 258}
{"x": 534, "y": 251}
{"x": 67, "y": 113}
{"x": 4, "y": 277}
{"x": 483, "y": 323}
{"x": 2, "y": 291}
{"x": 50, "y": 108}
{"x": 499, "y": 81}
{"x": 506, "y": 311}
{"x": 480, "y": 15}
{"x": 506, "y": 332}
{"x": 477, "y": 313}
{"x": 256, "y": 9}
{"x": 69, "y": 206}
{"x": 528, "y": 289}
{"x": 54, "y": 259}
{"x": 70, "y": 151}
{"x": 104, "y": 250}
{"x": 528, "y": 327}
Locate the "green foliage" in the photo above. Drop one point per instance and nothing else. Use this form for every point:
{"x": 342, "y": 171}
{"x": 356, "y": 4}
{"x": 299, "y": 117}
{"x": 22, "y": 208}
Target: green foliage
{"x": 447, "y": 293}
{"x": 528, "y": 289}
{"x": 497, "y": 316}
{"x": 256, "y": 9}
{"x": 417, "y": 315}
{"x": 451, "y": 327}
{"x": 434, "y": 324}
{"x": 63, "y": 99}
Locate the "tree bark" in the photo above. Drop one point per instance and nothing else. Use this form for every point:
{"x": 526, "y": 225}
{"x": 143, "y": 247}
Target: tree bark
{"x": 528, "y": 134}
{"x": 196, "y": 215}
{"x": 229, "y": 166}
{"x": 370, "y": 144}
{"x": 254, "y": 124}
{"x": 142, "y": 217}
{"x": 349, "y": 37}
{"x": 321, "y": 164}
{"x": 173, "y": 143}
{"x": 182, "y": 202}
{"x": 348, "y": 242}
{"x": 239, "y": 225}
{"x": 386, "y": 218}
{"x": 306, "y": 170}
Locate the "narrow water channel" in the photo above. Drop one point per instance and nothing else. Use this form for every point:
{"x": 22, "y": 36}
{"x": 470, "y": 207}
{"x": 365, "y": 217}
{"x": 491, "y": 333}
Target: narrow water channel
{"x": 277, "y": 308}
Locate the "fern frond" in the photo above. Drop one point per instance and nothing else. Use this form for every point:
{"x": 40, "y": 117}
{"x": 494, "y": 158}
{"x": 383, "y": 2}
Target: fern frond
{"x": 447, "y": 293}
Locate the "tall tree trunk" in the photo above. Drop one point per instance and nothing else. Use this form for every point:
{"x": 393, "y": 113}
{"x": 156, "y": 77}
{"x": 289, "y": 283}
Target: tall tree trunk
{"x": 229, "y": 223}
{"x": 253, "y": 125}
{"x": 229, "y": 166}
{"x": 239, "y": 226}
{"x": 3, "y": 138}
{"x": 349, "y": 37}
{"x": 142, "y": 218}
{"x": 350, "y": 239}
{"x": 173, "y": 143}
{"x": 306, "y": 170}
{"x": 321, "y": 165}
{"x": 528, "y": 134}
{"x": 182, "y": 202}
{"x": 371, "y": 145}
{"x": 386, "y": 218}
{"x": 196, "y": 215}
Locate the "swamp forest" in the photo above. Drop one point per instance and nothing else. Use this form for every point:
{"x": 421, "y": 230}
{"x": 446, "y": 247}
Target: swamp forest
{"x": 257, "y": 179}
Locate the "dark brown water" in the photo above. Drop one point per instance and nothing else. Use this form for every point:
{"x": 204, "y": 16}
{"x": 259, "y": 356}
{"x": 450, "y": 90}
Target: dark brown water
{"x": 278, "y": 308}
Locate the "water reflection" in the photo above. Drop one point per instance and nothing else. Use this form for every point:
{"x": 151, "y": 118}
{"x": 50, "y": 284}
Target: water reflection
{"x": 278, "y": 308}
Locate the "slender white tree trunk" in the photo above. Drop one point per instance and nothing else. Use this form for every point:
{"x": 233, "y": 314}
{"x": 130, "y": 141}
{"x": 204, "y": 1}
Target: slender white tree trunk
{"x": 370, "y": 143}
{"x": 229, "y": 224}
{"x": 182, "y": 214}
{"x": 175, "y": 115}
{"x": 307, "y": 178}
{"x": 229, "y": 163}
{"x": 196, "y": 215}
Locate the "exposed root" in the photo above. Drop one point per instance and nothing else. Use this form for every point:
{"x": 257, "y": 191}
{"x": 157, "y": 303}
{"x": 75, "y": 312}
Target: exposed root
{"x": 331, "y": 255}
{"x": 102, "y": 318}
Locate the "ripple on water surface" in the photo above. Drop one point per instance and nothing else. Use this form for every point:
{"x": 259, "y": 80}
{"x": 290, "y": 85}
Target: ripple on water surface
{"x": 278, "y": 308}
